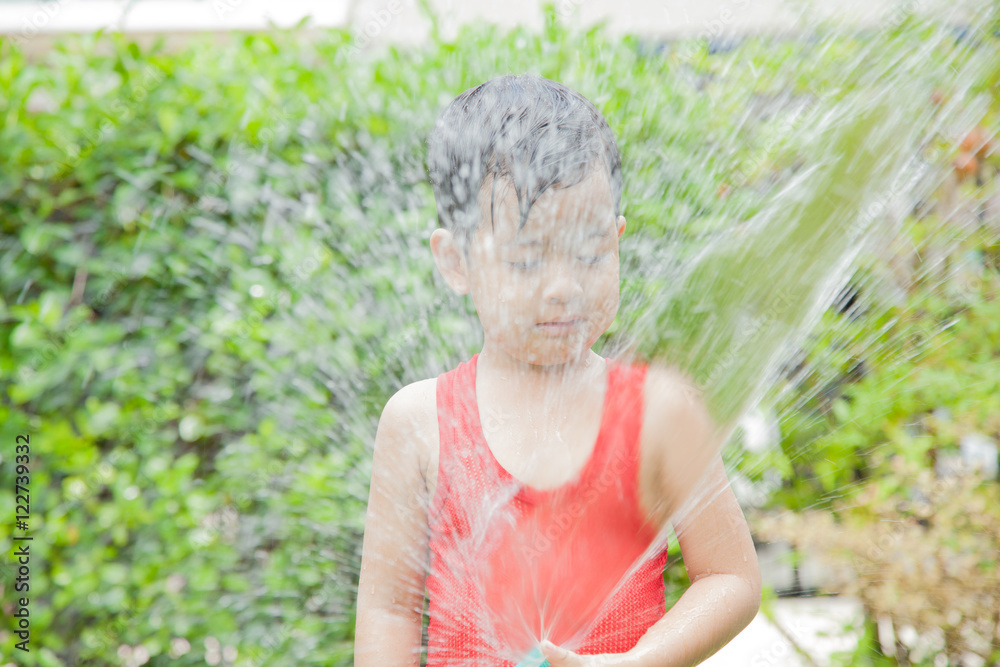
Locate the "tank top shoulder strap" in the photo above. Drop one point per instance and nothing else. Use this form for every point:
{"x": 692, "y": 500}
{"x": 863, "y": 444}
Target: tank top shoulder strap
{"x": 622, "y": 425}
{"x": 455, "y": 400}
{"x": 627, "y": 401}
{"x": 454, "y": 394}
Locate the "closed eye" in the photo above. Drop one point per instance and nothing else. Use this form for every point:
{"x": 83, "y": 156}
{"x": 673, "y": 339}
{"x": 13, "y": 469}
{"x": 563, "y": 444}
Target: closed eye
{"x": 594, "y": 259}
{"x": 524, "y": 265}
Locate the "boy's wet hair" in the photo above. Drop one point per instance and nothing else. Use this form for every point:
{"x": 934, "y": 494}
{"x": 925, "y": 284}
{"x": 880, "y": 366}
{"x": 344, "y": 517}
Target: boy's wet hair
{"x": 536, "y": 132}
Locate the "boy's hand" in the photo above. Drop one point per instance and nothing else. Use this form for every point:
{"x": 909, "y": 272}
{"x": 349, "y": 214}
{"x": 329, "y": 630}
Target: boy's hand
{"x": 560, "y": 657}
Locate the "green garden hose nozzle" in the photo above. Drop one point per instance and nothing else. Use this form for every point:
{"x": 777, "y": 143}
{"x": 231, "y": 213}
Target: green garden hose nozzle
{"x": 534, "y": 659}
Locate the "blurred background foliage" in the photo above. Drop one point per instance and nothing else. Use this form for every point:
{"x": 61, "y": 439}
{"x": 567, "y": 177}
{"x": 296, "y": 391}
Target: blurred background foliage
{"x": 216, "y": 272}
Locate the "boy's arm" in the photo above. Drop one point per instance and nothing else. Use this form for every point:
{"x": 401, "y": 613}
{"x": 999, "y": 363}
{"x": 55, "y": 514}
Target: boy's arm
{"x": 394, "y": 554}
{"x": 715, "y": 541}
{"x": 724, "y": 595}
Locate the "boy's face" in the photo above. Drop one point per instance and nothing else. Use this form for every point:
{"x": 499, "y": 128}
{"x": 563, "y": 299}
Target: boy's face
{"x": 546, "y": 294}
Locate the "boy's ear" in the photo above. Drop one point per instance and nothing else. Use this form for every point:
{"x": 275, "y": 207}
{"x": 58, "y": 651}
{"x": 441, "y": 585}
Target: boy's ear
{"x": 621, "y": 225}
{"x": 449, "y": 260}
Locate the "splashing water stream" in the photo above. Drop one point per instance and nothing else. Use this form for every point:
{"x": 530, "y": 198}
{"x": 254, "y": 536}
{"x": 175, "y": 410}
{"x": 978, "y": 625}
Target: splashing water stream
{"x": 217, "y": 274}
{"x": 730, "y": 315}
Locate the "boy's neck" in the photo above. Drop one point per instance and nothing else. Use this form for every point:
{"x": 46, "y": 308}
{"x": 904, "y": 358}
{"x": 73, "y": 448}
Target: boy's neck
{"x": 543, "y": 377}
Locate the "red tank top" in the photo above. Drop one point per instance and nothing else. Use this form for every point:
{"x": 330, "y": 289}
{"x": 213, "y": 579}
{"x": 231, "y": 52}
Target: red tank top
{"x": 511, "y": 565}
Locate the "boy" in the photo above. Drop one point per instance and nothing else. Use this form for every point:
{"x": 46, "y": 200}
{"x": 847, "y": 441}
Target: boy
{"x": 529, "y": 488}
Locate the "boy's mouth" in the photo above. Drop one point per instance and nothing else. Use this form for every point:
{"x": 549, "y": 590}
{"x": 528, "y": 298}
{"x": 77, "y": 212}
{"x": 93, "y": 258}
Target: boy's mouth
{"x": 559, "y": 326}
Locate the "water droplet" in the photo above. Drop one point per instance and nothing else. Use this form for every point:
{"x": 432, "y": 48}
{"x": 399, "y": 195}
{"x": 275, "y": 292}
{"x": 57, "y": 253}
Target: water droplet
{"x": 373, "y": 589}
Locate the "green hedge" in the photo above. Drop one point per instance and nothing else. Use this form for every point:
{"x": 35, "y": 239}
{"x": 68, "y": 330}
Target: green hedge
{"x": 215, "y": 272}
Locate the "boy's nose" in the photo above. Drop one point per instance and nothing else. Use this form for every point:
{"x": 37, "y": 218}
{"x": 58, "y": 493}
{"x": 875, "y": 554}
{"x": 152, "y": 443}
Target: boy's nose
{"x": 562, "y": 282}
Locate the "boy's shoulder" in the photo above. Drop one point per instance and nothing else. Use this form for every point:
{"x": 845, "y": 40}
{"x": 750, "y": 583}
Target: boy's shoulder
{"x": 415, "y": 396}
{"x": 669, "y": 386}
{"x": 672, "y": 399}
{"x": 412, "y": 410}
{"x": 668, "y": 396}
{"x": 673, "y": 426}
